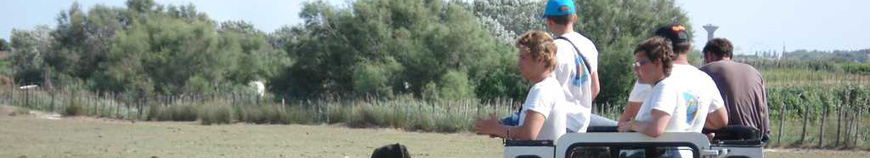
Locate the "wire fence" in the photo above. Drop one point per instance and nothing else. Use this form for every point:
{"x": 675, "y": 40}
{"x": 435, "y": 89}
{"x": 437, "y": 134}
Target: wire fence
{"x": 798, "y": 118}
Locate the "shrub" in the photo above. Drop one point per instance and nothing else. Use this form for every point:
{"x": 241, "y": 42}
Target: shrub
{"x": 337, "y": 114}
{"x": 299, "y": 115}
{"x": 20, "y": 111}
{"x": 178, "y": 112}
{"x": 423, "y": 122}
{"x": 73, "y": 109}
{"x": 215, "y": 113}
{"x": 368, "y": 116}
{"x": 153, "y": 112}
{"x": 267, "y": 114}
{"x": 185, "y": 112}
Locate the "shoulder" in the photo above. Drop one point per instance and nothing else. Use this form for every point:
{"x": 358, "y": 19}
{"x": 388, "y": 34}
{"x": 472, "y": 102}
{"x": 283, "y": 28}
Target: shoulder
{"x": 548, "y": 86}
{"x": 581, "y": 41}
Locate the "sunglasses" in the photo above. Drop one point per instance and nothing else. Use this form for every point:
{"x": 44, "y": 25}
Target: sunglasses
{"x": 640, "y": 63}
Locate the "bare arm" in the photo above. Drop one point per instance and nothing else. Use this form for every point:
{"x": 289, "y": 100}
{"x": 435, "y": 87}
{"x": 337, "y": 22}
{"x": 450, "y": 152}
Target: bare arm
{"x": 528, "y": 131}
{"x": 630, "y": 112}
{"x": 595, "y": 87}
{"x": 654, "y": 128}
{"x": 717, "y": 119}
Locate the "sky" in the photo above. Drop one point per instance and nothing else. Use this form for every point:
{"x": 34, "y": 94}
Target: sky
{"x": 752, "y": 25}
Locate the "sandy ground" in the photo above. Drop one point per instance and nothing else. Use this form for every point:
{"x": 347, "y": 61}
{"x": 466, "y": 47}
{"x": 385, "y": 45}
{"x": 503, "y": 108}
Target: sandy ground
{"x": 36, "y": 136}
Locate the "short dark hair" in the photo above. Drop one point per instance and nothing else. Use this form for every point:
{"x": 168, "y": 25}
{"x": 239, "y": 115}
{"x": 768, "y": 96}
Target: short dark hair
{"x": 563, "y": 19}
{"x": 678, "y": 36}
{"x": 720, "y": 47}
{"x": 658, "y": 48}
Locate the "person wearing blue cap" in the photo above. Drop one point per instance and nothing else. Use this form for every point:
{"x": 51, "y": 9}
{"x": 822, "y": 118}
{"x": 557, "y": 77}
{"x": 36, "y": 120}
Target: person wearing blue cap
{"x": 577, "y": 69}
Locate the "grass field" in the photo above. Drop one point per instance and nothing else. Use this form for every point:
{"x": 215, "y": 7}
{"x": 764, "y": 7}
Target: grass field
{"x": 31, "y": 136}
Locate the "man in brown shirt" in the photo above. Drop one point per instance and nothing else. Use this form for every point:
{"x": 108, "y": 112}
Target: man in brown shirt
{"x": 741, "y": 86}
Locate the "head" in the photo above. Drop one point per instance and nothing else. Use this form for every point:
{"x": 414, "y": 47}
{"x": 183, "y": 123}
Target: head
{"x": 678, "y": 36}
{"x": 537, "y": 55}
{"x": 560, "y": 15}
{"x": 718, "y": 49}
{"x": 652, "y": 60}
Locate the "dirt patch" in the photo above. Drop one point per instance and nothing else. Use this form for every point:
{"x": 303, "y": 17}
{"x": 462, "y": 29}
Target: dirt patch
{"x": 6, "y": 110}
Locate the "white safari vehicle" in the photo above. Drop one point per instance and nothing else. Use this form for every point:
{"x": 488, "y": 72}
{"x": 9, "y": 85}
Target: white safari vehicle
{"x": 631, "y": 145}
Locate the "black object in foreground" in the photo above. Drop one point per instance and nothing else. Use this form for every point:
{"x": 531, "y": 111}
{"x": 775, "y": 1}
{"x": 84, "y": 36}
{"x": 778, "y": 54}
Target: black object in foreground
{"x": 391, "y": 151}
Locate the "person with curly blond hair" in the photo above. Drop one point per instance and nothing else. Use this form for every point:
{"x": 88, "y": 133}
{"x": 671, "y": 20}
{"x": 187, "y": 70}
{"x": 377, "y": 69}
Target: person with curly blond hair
{"x": 542, "y": 116}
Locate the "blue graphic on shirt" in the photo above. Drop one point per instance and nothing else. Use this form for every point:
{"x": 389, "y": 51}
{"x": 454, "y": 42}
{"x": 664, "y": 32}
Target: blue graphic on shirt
{"x": 582, "y": 76}
{"x": 691, "y": 106}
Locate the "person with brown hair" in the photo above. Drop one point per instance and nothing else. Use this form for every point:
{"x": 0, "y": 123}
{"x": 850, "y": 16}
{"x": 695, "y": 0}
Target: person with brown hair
{"x": 680, "y": 45}
{"x": 674, "y": 103}
{"x": 542, "y": 116}
{"x": 740, "y": 85}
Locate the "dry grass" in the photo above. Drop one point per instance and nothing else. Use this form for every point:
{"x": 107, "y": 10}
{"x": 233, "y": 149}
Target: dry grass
{"x": 89, "y": 137}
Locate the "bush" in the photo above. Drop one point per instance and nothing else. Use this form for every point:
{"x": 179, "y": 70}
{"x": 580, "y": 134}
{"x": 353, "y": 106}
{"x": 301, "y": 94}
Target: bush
{"x": 369, "y": 116}
{"x": 269, "y": 114}
{"x": 215, "y": 113}
{"x": 177, "y": 112}
{"x": 153, "y": 111}
{"x": 20, "y": 111}
{"x": 299, "y": 115}
{"x": 337, "y": 114}
{"x": 73, "y": 108}
{"x": 447, "y": 122}
{"x": 185, "y": 112}
{"x": 423, "y": 122}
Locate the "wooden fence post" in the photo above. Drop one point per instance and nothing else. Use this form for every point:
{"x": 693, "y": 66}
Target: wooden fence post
{"x": 839, "y": 124}
{"x": 781, "y": 122}
{"x": 52, "y": 100}
{"x": 806, "y": 121}
{"x": 857, "y": 127}
{"x": 822, "y": 128}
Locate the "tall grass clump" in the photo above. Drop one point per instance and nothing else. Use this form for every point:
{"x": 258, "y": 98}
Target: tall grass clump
{"x": 300, "y": 115}
{"x": 173, "y": 112}
{"x": 337, "y": 113}
{"x": 20, "y": 111}
{"x": 215, "y": 113}
{"x": 73, "y": 108}
{"x": 264, "y": 114}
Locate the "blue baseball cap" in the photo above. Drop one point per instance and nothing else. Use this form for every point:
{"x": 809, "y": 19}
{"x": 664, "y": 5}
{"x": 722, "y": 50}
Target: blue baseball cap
{"x": 559, "y": 8}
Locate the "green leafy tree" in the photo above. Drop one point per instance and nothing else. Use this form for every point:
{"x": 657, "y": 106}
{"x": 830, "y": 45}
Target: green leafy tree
{"x": 28, "y": 51}
{"x": 616, "y": 26}
{"x": 4, "y": 46}
{"x": 418, "y": 42}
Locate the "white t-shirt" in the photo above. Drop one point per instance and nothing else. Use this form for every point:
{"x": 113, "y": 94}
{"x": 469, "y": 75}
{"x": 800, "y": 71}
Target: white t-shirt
{"x": 575, "y": 81}
{"x": 687, "y": 96}
{"x": 638, "y": 92}
{"x": 546, "y": 98}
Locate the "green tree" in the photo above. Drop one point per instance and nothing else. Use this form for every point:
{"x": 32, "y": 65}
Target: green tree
{"x": 418, "y": 42}
{"x": 28, "y": 51}
{"x": 4, "y": 46}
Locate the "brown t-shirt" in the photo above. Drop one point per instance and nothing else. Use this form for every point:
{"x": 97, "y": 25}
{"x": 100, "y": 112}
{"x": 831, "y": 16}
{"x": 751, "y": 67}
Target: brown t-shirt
{"x": 742, "y": 89}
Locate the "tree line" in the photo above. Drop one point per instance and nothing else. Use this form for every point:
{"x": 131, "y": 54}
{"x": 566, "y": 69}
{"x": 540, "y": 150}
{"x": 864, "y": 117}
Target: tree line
{"x": 426, "y": 49}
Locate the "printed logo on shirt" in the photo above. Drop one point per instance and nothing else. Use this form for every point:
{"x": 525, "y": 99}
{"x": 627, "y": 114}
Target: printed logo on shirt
{"x": 691, "y": 106}
{"x": 581, "y": 76}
